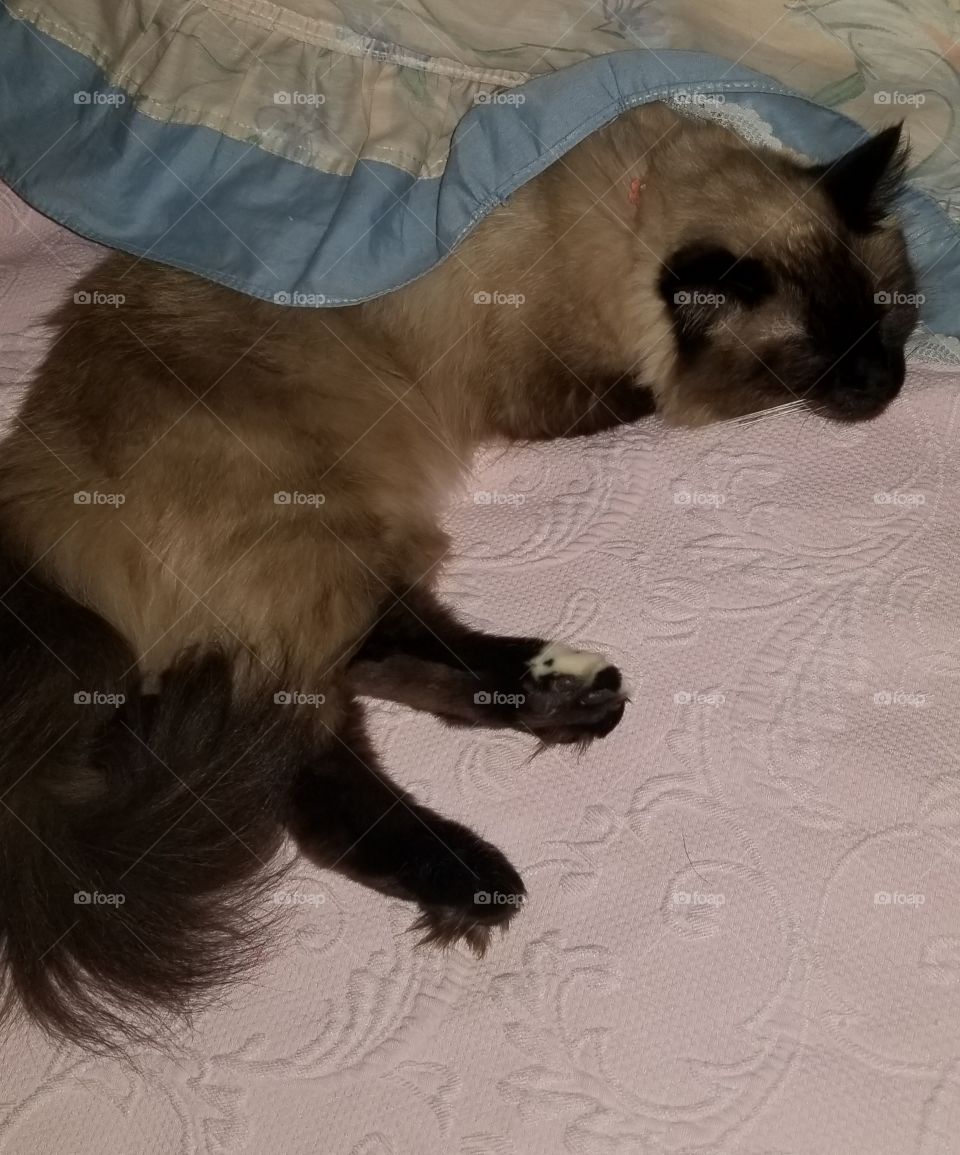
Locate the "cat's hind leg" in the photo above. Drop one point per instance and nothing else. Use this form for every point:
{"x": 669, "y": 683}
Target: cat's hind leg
{"x": 347, "y": 815}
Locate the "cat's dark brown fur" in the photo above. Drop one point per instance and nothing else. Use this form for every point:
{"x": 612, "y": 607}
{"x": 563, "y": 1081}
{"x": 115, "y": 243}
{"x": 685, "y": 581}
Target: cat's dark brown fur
{"x": 220, "y": 524}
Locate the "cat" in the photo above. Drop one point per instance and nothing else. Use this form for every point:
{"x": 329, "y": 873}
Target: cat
{"x": 220, "y": 528}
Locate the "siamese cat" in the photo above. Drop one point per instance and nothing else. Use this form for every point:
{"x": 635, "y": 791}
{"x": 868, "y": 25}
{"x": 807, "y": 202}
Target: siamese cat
{"x": 220, "y": 528}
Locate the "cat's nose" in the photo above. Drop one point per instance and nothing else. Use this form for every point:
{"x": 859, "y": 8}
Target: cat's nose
{"x": 863, "y": 386}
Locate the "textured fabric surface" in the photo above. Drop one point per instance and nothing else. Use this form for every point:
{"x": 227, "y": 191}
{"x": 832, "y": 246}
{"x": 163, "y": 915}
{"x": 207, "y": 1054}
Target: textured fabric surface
{"x": 317, "y": 153}
{"x": 743, "y": 931}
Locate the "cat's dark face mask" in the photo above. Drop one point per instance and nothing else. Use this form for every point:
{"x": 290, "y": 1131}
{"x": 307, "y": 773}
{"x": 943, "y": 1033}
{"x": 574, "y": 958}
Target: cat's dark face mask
{"x": 819, "y": 315}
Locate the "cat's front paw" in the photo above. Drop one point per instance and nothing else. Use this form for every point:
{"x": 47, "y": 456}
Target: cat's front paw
{"x": 570, "y": 695}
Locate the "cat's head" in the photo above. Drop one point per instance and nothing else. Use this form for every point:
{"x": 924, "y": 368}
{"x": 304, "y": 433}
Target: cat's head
{"x": 784, "y": 280}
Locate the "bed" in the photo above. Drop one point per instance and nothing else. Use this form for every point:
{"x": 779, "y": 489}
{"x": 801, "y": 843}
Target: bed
{"x": 743, "y": 927}
{"x": 743, "y": 930}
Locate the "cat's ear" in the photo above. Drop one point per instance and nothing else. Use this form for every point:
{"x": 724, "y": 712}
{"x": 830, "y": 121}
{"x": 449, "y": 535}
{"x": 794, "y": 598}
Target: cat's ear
{"x": 699, "y": 281}
{"x": 863, "y": 183}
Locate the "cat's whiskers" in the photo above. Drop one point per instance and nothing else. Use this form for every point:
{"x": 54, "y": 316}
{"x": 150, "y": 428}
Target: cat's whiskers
{"x": 761, "y": 414}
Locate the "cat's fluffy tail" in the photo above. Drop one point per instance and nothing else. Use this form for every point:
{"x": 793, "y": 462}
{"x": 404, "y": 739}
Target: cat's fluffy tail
{"x": 134, "y": 829}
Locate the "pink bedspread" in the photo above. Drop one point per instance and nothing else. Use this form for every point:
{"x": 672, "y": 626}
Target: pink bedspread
{"x": 743, "y": 932}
